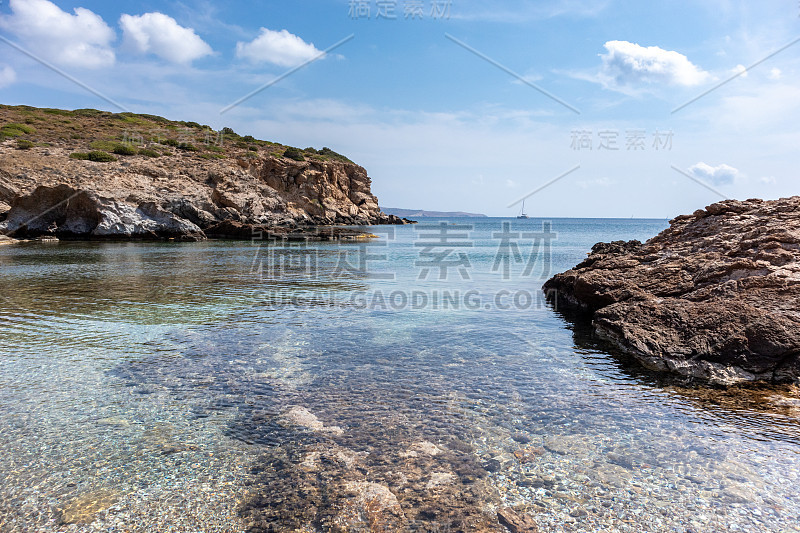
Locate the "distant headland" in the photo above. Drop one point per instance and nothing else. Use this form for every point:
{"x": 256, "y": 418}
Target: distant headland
{"x": 421, "y": 213}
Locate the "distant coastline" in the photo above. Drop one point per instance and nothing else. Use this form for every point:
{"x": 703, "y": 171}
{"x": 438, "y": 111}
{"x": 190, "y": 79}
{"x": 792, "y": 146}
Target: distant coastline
{"x": 420, "y": 213}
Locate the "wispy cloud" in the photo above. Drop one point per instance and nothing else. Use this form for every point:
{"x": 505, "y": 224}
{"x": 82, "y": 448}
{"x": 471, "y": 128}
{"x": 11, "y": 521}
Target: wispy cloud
{"x": 7, "y": 76}
{"x": 595, "y": 183}
{"x": 719, "y": 175}
{"x": 521, "y": 12}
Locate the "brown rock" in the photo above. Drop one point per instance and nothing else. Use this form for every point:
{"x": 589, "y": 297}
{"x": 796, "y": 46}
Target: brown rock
{"x": 516, "y": 522}
{"x": 82, "y": 510}
{"x": 373, "y": 507}
{"x": 714, "y": 296}
{"x": 528, "y": 454}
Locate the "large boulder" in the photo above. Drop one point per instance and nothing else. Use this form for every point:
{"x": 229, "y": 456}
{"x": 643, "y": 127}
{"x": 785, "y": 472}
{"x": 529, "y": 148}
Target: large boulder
{"x": 70, "y": 213}
{"x": 715, "y": 296}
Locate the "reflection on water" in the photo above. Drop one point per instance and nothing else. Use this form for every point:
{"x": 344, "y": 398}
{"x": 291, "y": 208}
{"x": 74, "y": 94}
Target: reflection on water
{"x": 148, "y": 386}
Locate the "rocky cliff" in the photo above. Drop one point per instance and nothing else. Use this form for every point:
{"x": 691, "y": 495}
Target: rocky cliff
{"x": 715, "y": 296}
{"x": 161, "y": 179}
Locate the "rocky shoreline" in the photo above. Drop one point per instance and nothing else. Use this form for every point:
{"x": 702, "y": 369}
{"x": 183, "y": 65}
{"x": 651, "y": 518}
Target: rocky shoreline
{"x": 48, "y": 194}
{"x": 95, "y": 175}
{"x": 713, "y": 297}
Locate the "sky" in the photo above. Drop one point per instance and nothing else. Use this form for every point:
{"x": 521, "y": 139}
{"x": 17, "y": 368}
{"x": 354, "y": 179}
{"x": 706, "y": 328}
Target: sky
{"x": 585, "y": 108}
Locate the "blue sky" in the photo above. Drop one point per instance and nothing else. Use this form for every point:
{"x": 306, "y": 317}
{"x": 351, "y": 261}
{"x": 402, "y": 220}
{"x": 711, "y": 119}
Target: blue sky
{"x": 437, "y": 126}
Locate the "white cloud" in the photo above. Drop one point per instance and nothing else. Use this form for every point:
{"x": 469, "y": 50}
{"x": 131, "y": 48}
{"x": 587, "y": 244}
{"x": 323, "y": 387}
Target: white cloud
{"x": 740, "y": 68}
{"x": 719, "y": 175}
{"x": 775, "y": 74}
{"x": 161, "y": 35}
{"x": 7, "y": 76}
{"x": 627, "y": 63}
{"x": 768, "y": 180}
{"x": 79, "y": 40}
{"x": 277, "y": 47}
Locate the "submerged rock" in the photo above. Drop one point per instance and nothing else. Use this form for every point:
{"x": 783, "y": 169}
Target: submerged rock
{"x": 372, "y": 507}
{"x": 332, "y": 487}
{"x": 82, "y": 510}
{"x": 714, "y": 296}
{"x": 301, "y": 417}
{"x": 516, "y": 522}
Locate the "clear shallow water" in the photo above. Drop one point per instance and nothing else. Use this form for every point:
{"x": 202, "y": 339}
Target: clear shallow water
{"x": 142, "y": 388}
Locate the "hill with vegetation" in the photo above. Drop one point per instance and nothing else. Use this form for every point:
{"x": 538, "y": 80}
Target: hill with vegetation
{"x": 87, "y": 173}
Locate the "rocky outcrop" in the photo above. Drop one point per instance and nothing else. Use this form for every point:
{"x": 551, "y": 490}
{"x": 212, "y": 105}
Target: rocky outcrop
{"x": 715, "y": 296}
{"x": 44, "y": 192}
{"x": 75, "y": 213}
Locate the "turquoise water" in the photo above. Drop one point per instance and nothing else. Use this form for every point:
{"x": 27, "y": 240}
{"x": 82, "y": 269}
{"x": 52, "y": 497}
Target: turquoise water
{"x": 144, "y": 386}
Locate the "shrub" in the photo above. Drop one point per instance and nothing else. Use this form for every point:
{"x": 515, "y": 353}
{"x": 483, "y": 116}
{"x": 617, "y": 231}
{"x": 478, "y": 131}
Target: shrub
{"x": 90, "y": 113}
{"x": 327, "y": 152}
{"x": 249, "y": 139}
{"x": 105, "y": 146}
{"x": 51, "y": 111}
{"x": 15, "y": 130}
{"x": 294, "y": 153}
{"x": 130, "y": 118}
{"x": 125, "y": 149}
{"x": 213, "y": 156}
{"x": 101, "y": 157}
{"x": 171, "y": 142}
{"x": 154, "y": 118}
{"x": 149, "y": 153}
{"x": 253, "y": 148}
{"x": 22, "y": 144}
{"x": 228, "y": 131}
{"x": 96, "y": 155}
{"x": 216, "y": 148}
{"x": 192, "y": 125}
{"x": 189, "y": 147}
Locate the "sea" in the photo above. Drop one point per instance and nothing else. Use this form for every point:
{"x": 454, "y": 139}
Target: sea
{"x": 418, "y": 380}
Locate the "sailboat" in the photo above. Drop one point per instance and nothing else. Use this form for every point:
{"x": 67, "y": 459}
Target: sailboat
{"x": 522, "y": 211}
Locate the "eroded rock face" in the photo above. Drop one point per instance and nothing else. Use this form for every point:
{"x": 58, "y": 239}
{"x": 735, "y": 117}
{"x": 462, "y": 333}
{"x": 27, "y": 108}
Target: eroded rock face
{"x": 44, "y": 192}
{"x": 74, "y": 213}
{"x": 714, "y": 296}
